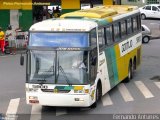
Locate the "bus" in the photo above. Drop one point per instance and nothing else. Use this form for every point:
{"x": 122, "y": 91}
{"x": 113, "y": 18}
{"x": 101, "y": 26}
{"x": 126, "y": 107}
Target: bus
{"x": 72, "y": 61}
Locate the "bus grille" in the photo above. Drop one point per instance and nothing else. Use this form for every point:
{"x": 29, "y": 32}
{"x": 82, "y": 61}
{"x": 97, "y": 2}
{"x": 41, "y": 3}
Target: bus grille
{"x": 55, "y": 91}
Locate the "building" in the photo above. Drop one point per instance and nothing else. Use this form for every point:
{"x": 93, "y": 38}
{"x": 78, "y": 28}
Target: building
{"x": 23, "y": 13}
{"x": 139, "y": 2}
{"x": 20, "y": 13}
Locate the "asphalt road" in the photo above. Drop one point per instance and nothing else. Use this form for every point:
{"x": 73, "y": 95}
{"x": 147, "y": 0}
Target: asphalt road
{"x": 141, "y": 95}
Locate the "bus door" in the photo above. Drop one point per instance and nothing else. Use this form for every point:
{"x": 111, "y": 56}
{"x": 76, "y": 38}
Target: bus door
{"x": 103, "y": 74}
{"x": 93, "y": 65}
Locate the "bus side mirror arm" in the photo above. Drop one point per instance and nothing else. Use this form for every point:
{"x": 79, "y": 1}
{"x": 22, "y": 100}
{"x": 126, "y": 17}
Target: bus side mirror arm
{"x": 22, "y": 60}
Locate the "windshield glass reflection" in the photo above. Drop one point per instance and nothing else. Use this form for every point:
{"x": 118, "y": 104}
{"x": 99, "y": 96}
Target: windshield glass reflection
{"x": 59, "y": 67}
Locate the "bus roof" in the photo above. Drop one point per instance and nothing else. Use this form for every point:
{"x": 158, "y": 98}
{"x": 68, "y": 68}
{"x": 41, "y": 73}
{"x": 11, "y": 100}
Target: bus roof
{"x": 75, "y": 25}
{"x": 103, "y": 14}
{"x": 101, "y": 11}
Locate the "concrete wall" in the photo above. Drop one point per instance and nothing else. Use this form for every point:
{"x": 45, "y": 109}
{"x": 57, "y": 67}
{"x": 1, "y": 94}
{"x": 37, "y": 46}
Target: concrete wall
{"x": 19, "y": 12}
{"x": 16, "y": 11}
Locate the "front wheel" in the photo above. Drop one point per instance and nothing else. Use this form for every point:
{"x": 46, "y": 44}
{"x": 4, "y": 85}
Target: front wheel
{"x": 145, "y": 39}
{"x": 143, "y": 16}
{"x": 98, "y": 96}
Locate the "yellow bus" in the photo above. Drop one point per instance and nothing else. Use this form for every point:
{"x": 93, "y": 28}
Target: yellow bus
{"x": 77, "y": 58}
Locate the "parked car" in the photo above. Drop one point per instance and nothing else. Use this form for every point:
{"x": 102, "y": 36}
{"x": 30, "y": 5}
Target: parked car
{"x": 146, "y": 34}
{"x": 150, "y": 11}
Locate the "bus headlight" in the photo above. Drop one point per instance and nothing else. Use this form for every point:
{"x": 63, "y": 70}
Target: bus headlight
{"x": 33, "y": 100}
{"x": 33, "y": 97}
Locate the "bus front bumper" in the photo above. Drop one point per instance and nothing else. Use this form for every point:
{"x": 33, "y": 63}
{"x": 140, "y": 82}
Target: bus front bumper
{"x": 68, "y": 100}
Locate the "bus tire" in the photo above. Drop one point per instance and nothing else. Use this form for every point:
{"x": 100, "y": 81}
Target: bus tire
{"x": 130, "y": 73}
{"x": 134, "y": 64}
{"x": 98, "y": 95}
{"x": 94, "y": 105}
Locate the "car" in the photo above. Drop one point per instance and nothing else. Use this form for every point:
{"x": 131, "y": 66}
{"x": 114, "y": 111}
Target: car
{"x": 146, "y": 34}
{"x": 150, "y": 11}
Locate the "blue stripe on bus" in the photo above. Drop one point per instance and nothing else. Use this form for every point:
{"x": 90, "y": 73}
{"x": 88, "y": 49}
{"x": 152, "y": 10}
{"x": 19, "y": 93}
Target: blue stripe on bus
{"x": 112, "y": 66}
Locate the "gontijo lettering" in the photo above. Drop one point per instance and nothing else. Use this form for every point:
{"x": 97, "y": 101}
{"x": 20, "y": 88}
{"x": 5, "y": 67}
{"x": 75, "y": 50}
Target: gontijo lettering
{"x": 127, "y": 45}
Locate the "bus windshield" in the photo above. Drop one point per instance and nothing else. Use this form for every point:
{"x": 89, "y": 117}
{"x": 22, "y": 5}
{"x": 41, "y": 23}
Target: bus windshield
{"x": 59, "y": 67}
{"x": 59, "y": 39}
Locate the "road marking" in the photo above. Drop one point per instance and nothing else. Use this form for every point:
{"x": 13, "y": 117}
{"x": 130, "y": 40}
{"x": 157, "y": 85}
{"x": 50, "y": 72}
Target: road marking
{"x": 106, "y": 100}
{"x": 60, "y": 111}
{"x": 158, "y": 84}
{"x": 36, "y": 112}
{"x": 13, "y": 106}
{"x": 143, "y": 89}
{"x": 7, "y": 55}
{"x": 125, "y": 93}
{"x": 3, "y": 56}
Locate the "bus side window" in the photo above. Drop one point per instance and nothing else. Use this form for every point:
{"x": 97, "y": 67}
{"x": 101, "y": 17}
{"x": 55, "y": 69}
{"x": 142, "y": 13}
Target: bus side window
{"x": 135, "y": 24}
{"x": 109, "y": 35}
{"x": 123, "y": 29}
{"x": 129, "y": 26}
{"x": 101, "y": 39}
{"x": 93, "y": 37}
{"x": 93, "y": 65}
{"x": 116, "y": 27}
{"x": 139, "y": 22}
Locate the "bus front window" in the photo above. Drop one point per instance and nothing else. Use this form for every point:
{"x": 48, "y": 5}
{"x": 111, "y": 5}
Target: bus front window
{"x": 72, "y": 67}
{"x": 59, "y": 67}
{"x": 42, "y": 67}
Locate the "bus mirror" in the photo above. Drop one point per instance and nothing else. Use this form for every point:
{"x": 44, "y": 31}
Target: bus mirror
{"x": 22, "y": 60}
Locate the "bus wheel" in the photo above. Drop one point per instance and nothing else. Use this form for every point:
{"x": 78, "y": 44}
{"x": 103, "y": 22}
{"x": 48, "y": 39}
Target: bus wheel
{"x": 98, "y": 95}
{"x": 130, "y": 73}
{"x": 134, "y": 64}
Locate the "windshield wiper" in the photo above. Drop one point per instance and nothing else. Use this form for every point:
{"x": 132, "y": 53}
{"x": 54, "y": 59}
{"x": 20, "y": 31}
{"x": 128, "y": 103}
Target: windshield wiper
{"x": 42, "y": 81}
{"x": 64, "y": 74}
